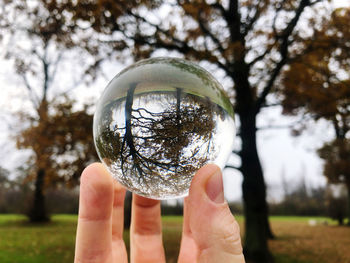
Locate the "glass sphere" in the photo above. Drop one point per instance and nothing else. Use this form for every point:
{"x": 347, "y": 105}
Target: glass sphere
{"x": 160, "y": 120}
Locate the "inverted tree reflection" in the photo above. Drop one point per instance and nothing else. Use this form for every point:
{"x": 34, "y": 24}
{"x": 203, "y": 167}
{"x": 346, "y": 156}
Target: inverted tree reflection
{"x": 164, "y": 138}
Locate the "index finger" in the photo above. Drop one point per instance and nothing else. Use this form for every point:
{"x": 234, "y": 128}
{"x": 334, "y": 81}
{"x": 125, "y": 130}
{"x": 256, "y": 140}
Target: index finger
{"x": 94, "y": 238}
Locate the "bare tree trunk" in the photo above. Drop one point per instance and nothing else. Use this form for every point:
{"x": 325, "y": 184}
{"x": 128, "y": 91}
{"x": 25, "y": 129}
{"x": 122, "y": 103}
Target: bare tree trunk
{"x": 340, "y": 220}
{"x": 127, "y": 210}
{"x": 348, "y": 188}
{"x": 254, "y": 195}
{"x": 38, "y": 212}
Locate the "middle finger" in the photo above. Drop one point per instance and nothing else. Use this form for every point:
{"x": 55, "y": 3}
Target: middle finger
{"x": 119, "y": 250}
{"x": 146, "y": 243}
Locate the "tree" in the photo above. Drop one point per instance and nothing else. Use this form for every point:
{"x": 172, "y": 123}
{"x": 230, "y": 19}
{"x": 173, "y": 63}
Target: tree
{"x": 4, "y": 181}
{"x": 317, "y": 85}
{"x": 337, "y": 202}
{"x": 13, "y": 193}
{"x": 62, "y": 146}
{"x": 302, "y": 201}
{"x": 247, "y": 41}
{"x": 336, "y": 156}
{"x": 4, "y": 173}
{"x": 59, "y": 136}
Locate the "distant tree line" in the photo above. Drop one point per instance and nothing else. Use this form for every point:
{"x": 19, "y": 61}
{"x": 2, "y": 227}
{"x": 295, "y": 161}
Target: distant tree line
{"x": 302, "y": 200}
{"x": 16, "y": 197}
{"x": 299, "y": 200}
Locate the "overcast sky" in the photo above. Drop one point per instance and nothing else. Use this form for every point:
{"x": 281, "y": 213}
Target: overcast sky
{"x": 280, "y": 153}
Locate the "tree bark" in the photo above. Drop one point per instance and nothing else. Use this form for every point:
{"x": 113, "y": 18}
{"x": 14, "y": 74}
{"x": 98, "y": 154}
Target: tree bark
{"x": 127, "y": 210}
{"x": 38, "y": 212}
{"x": 348, "y": 188}
{"x": 257, "y": 228}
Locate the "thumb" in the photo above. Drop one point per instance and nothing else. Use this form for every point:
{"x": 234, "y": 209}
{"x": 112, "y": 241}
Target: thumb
{"x": 213, "y": 227}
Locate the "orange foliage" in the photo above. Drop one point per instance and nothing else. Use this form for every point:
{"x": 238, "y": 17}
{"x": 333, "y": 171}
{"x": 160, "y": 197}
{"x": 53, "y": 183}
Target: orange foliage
{"x": 318, "y": 84}
{"x": 61, "y": 140}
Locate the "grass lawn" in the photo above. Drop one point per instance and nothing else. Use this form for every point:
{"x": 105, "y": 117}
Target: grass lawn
{"x": 21, "y": 241}
{"x": 297, "y": 241}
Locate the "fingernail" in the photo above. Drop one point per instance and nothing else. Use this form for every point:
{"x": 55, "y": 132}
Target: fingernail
{"x": 215, "y": 188}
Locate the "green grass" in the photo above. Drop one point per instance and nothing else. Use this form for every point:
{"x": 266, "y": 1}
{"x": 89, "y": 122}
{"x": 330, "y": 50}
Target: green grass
{"x": 320, "y": 220}
{"x": 23, "y": 242}
{"x": 300, "y": 218}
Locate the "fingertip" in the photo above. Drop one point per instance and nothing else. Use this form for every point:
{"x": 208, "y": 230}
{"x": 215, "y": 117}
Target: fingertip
{"x": 201, "y": 180}
{"x": 144, "y": 201}
{"x": 201, "y": 204}
{"x": 94, "y": 220}
{"x": 95, "y": 175}
{"x": 95, "y": 172}
{"x": 96, "y": 191}
{"x": 204, "y": 172}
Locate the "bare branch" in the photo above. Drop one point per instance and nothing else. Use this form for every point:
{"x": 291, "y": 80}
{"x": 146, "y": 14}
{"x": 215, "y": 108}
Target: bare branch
{"x": 315, "y": 2}
{"x": 185, "y": 49}
{"x": 236, "y": 152}
{"x": 46, "y": 79}
{"x": 220, "y": 8}
{"x": 278, "y": 9}
{"x": 253, "y": 19}
{"x": 207, "y": 31}
{"x": 270, "y": 105}
{"x": 336, "y": 127}
{"x": 259, "y": 58}
{"x": 175, "y": 43}
{"x": 33, "y": 96}
{"x": 229, "y": 166}
{"x": 55, "y": 67}
{"x": 283, "y": 51}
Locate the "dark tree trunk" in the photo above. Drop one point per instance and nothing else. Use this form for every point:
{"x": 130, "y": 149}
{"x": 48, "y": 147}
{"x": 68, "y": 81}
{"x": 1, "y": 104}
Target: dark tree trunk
{"x": 38, "y": 211}
{"x": 340, "y": 220}
{"x": 348, "y": 214}
{"x": 127, "y": 210}
{"x": 270, "y": 234}
{"x": 257, "y": 230}
{"x": 130, "y": 143}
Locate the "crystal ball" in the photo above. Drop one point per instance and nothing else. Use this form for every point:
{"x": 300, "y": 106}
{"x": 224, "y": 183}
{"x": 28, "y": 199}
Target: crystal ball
{"x": 158, "y": 121}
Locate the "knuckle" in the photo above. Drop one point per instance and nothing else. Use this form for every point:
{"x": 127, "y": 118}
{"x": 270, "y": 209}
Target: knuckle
{"x": 229, "y": 234}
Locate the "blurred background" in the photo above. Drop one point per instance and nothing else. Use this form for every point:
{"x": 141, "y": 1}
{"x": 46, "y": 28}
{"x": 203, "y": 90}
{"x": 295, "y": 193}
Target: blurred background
{"x": 284, "y": 64}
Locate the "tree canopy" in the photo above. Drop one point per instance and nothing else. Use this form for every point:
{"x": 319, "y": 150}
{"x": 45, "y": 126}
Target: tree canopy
{"x": 318, "y": 82}
{"x": 59, "y": 134}
{"x": 62, "y": 144}
{"x": 318, "y": 85}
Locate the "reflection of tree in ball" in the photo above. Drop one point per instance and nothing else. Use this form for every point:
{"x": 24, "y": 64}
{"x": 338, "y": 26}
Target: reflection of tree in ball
{"x": 158, "y": 122}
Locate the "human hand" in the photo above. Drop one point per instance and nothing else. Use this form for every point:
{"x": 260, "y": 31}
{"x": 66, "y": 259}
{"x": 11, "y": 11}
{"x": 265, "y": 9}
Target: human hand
{"x": 210, "y": 232}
